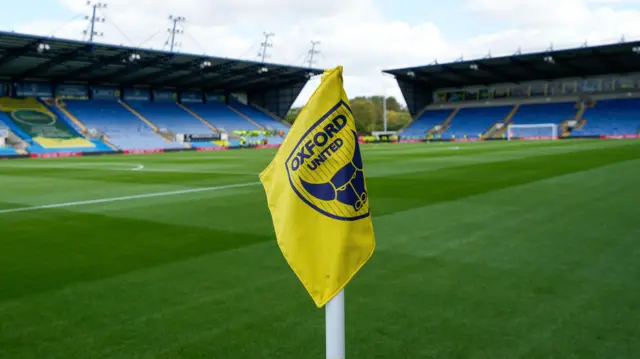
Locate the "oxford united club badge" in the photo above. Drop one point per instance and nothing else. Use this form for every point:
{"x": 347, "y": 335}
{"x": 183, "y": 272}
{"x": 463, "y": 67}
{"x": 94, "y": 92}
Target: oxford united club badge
{"x": 325, "y": 167}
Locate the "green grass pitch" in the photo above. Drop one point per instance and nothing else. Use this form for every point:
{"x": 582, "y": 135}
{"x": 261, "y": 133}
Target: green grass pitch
{"x": 496, "y": 250}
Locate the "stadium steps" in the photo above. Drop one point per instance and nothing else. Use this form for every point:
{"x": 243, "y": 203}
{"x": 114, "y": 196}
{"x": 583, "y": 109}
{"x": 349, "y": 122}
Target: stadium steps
{"x": 207, "y": 123}
{"x": 270, "y": 114}
{"x": 507, "y": 121}
{"x": 145, "y": 120}
{"x": 111, "y": 145}
{"x": 444, "y": 126}
{"x": 421, "y": 113}
{"x": 61, "y": 107}
{"x": 565, "y": 131}
{"x": 246, "y": 117}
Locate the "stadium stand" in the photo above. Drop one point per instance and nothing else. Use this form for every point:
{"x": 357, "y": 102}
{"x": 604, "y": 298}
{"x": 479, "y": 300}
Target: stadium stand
{"x": 611, "y": 117}
{"x": 169, "y": 115}
{"x": 548, "y": 87}
{"x": 43, "y": 130}
{"x": 122, "y": 127}
{"x": 474, "y": 121}
{"x": 260, "y": 117}
{"x": 556, "y": 113}
{"x": 426, "y": 121}
{"x": 100, "y": 91}
{"x": 221, "y": 116}
{"x": 7, "y": 151}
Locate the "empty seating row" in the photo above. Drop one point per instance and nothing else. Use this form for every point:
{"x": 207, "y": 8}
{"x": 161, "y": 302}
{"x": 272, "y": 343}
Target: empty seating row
{"x": 472, "y": 122}
{"x": 122, "y": 127}
{"x": 425, "y": 122}
{"x": 259, "y": 117}
{"x": 611, "y": 117}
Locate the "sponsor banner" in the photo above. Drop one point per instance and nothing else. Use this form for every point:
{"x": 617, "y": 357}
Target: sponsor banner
{"x": 140, "y": 152}
{"x": 56, "y": 155}
{"x": 536, "y": 138}
{"x": 215, "y": 97}
{"x": 209, "y": 149}
{"x": 467, "y": 139}
{"x": 165, "y": 96}
{"x": 135, "y": 94}
{"x": 105, "y": 93}
{"x": 31, "y": 89}
{"x": 4, "y": 89}
{"x": 267, "y": 146}
{"x": 410, "y": 141}
{"x": 619, "y": 137}
{"x": 191, "y": 96}
{"x": 201, "y": 137}
{"x": 72, "y": 92}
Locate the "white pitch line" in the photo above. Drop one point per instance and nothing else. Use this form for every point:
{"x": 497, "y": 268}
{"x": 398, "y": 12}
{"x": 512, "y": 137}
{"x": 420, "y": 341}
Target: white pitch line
{"x": 127, "y": 198}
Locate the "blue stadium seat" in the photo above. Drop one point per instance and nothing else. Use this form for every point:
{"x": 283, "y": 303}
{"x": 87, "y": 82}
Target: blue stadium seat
{"x": 123, "y": 128}
{"x": 475, "y": 120}
{"x": 221, "y": 116}
{"x": 260, "y": 117}
{"x": 7, "y": 151}
{"x": 170, "y": 115}
{"x": 425, "y": 122}
{"x": 611, "y": 117}
{"x": 554, "y": 113}
{"x": 38, "y": 136}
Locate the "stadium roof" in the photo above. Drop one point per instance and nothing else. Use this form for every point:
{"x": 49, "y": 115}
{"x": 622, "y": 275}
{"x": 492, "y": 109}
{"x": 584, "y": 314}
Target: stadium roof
{"x": 31, "y": 57}
{"x": 548, "y": 65}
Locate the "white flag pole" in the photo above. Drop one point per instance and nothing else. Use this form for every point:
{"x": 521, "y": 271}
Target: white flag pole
{"x": 334, "y": 321}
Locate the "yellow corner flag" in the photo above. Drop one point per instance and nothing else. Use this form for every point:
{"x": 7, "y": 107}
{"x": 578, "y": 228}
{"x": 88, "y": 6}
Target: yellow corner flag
{"x": 317, "y": 195}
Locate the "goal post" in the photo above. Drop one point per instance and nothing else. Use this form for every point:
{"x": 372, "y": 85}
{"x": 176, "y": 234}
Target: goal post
{"x": 541, "y": 131}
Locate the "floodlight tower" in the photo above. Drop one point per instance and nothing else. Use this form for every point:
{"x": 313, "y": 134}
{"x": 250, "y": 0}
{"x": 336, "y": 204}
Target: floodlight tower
{"x": 266, "y": 44}
{"x": 93, "y": 19}
{"x": 174, "y": 30}
{"x": 313, "y": 52}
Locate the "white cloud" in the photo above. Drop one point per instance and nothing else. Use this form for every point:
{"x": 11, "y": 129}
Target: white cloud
{"x": 354, "y": 33}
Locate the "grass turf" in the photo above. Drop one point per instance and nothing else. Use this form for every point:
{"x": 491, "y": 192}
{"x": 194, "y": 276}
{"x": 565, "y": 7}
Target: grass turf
{"x": 489, "y": 250}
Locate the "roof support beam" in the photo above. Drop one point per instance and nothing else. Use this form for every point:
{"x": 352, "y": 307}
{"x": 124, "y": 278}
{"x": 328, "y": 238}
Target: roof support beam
{"x": 13, "y": 54}
{"x": 168, "y": 71}
{"x": 96, "y": 64}
{"x": 131, "y": 67}
{"x": 610, "y": 63}
{"x": 224, "y": 69}
{"x": 55, "y": 61}
{"x": 460, "y": 73}
{"x": 279, "y": 74}
{"x": 227, "y": 77}
{"x": 522, "y": 64}
{"x": 498, "y": 73}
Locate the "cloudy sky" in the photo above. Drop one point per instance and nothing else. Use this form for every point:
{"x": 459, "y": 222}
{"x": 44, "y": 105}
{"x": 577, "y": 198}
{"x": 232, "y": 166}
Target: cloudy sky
{"x": 365, "y": 36}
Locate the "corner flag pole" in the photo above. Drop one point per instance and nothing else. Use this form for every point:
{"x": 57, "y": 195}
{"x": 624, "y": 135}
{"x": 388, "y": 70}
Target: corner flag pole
{"x": 334, "y": 322}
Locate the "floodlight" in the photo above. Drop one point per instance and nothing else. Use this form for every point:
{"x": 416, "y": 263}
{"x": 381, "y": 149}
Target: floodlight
{"x": 411, "y": 74}
{"x": 473, "y": 67}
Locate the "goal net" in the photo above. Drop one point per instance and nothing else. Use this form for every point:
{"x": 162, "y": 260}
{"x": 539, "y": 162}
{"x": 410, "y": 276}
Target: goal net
{"x": 543, "y": 131}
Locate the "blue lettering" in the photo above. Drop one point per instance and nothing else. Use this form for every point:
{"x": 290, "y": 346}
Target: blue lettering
{"x": 295, "y": 164}
{"x": 316, "y": 162}
{"x": 309, "y": 146}
{"x": 330, "y": 129}
{"x": 340, "y": 121}
{"x": 320, "y": 139}
{"x": 336, "y": 145}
